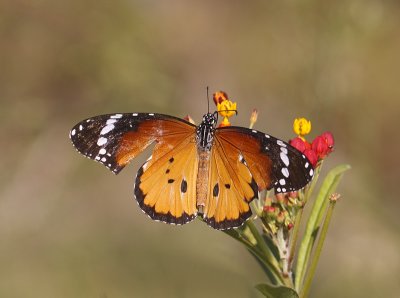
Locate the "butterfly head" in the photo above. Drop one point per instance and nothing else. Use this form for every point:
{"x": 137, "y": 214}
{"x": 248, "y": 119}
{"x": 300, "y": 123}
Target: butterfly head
{"x": 210, "y": 119}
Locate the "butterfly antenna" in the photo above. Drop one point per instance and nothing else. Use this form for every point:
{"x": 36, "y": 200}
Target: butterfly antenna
{"x": 208, "y": 102}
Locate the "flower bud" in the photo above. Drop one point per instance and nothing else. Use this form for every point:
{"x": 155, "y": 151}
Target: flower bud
{"x": 281, "y": 217}
{"x": 253, "y": 118}
{"x": 320, "y": 147}
{"x": 189, "y": 119}
{"x": 280, "y": 197}
{"x": 219, "y": 97}
{"x": 328, "y": 136}
{"x": 269, "y": 209}
{"x": 334, "y": 197}
{"x": 298, "y": 143}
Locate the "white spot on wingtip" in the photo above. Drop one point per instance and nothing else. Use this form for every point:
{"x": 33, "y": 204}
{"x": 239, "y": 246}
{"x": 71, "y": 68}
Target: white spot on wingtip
{"x": 284, "y": 150}
{"x": 101, "y": 141}
{"x": 311, "y": 172}
{"x": 103, "y": 159}
{"x": 282, "y": 181}
{"x": 111, "y": 121}
{"x": 267, "y": 136}
{"x": 284, "y": 158}
{"x": 73, "y": 132}
{"x": 285, "y": 172}
{"x": 280, "y": 143}
{"x": 116, "y": 116}
{"x": 102, "y": 151}
{"x": 107, "y": 129}
{"x": 255, "y": 131}
{"x": 306, "y": 165}
{"x": 151, "y": 114}
{"x": 134, "y": 114}
{"x": 80, "y": 127}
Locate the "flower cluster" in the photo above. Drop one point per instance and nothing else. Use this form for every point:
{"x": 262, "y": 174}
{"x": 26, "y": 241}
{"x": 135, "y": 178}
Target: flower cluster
{"x": 318, "y": 149}
{"x": 279, "y": 212}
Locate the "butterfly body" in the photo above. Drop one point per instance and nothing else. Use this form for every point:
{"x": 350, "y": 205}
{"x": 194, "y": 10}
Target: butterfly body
{"x": 204, "y": 140}
{"x": 193, "y": 170}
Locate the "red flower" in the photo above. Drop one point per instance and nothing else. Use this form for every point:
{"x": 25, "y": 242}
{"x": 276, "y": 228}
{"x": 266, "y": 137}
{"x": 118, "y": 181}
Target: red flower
{"x": 312, "y": 156}
{"x": 320, "y": 147}
{"x": 298, "y": 143}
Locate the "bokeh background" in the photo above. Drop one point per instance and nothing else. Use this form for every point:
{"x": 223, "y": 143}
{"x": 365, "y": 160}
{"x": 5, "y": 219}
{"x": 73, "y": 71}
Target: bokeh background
{"x": 69, "y": 228}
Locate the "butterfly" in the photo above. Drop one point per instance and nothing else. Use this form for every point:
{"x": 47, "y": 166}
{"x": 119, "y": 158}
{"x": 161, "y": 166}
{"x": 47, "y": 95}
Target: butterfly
{"x": 205, "y": 170}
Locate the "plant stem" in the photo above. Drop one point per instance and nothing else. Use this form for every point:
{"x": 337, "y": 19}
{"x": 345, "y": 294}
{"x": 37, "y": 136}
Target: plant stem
{"x": 270, "y": 259}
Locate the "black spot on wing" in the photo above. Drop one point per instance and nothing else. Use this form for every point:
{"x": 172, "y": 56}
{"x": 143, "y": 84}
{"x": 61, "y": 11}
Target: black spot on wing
{"x": 216, "y": 190}
{"x": 183, "y": 186}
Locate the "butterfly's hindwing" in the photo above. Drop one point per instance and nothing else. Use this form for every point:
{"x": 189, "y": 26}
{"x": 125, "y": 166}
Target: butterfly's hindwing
{"x": 114, "y": 139}
{"x": 231, "y": 188}
{"x": 272, "y": 162}
{"x": 165, "y": 185}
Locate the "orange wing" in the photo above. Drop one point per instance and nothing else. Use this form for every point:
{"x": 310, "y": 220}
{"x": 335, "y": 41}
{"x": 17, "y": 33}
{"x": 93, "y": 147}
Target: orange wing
{"x": 166, "y": 184}
{"x": 231, "y": 187}
{"x": 272, "y": 162}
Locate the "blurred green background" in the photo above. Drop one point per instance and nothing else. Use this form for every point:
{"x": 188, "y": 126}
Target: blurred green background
{"x": 69, "y": 228}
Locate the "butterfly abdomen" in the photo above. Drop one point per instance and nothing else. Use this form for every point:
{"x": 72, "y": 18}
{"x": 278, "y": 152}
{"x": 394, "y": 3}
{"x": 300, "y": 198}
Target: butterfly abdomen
{"x": 202, "y": 179}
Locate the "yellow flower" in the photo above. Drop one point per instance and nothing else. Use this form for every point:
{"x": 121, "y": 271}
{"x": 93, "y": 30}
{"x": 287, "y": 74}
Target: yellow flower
{"x": 225, "y": 107}
{"x": 301, "y": 127}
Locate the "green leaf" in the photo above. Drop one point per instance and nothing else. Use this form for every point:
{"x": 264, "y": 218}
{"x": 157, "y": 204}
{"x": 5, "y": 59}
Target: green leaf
{"x": 328, "y": 187}
{"x": 271, "y": 291}
{"x": 311, "y": 271}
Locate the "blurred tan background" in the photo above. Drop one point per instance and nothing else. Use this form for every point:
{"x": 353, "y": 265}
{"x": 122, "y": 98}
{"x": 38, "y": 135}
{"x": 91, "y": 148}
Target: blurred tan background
{"x": 69, "y": 228}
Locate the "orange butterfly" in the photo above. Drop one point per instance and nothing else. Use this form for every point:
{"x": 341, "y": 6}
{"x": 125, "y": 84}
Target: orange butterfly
{"x": 194, "y": 170}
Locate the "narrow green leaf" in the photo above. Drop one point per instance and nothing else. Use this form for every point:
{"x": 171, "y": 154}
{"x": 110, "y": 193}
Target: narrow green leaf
{"x": 271, "y": 291}
{"x": 328, "y": 187}
{"x": 318, "y": 248}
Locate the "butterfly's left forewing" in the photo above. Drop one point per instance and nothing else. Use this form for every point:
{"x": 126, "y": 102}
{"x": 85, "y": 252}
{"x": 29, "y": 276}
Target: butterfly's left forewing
{"x": 115, "y": 139}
